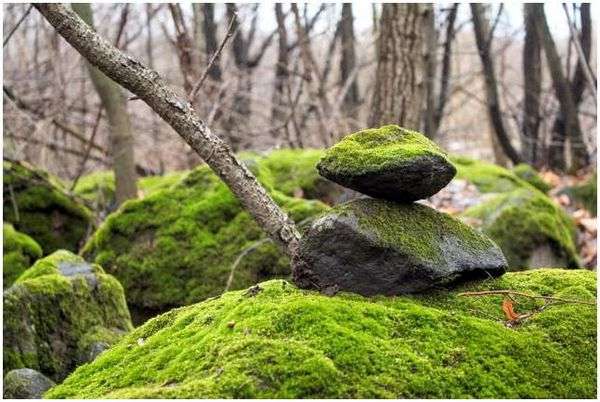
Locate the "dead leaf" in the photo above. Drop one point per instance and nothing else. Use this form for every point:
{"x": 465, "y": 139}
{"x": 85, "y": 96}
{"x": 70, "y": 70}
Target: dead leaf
{"x": 509, "y": 312}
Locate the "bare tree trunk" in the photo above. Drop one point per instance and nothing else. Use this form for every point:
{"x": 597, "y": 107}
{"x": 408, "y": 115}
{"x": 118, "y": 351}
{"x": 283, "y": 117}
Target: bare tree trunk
{"x": 348, "y": 60}
{"x": 483, "y": 39}
{"x": 430, "y": 71}
{"x": 150, "y": 55}
{"x": 532, "y": 76}
{"x": 578, "y": 85}
{"x": 281, "y": 70}
{"x": 178, "y": 113}
{"x": 210, "y": 39}
{"x": 563, "y": 92}
{"x": 398, "y": 92}
{"x": 121, "y": 136}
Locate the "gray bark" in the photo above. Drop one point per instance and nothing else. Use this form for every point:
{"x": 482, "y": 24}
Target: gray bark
{"x": 348, "y": 59}
{"x": 179, "y": 114}
{"x": 532, "y": 76}
{"x": 121, "y": 137}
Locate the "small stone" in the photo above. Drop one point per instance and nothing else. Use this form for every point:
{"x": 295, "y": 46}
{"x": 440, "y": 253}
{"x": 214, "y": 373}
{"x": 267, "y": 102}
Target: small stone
{"x": 378, "y": 247}
{"x": 25, "y": 383}
{"x": 389, "y": 162}
{"x": 231, "y": 324}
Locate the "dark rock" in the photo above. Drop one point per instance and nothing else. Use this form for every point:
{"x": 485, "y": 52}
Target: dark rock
{"x": 372, "y": 247}
{"x": 25, "y": 383}
{"x": 390, "y": 163}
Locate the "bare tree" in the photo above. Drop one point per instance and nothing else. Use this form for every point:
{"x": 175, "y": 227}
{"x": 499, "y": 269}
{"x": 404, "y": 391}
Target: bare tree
{"x": 564, "y": 95}
{"x": 398, "y": 92}
{"x": 483, "y": 38}
{"x": 177, "y": 112}
{"x": 431, "y": 42}
{"x": 532, "y": 77}
{"x": 348, "y": 60}
{"x": 121, "y": 135}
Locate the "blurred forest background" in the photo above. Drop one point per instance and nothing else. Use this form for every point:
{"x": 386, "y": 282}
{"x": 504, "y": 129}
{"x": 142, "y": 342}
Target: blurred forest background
{"x": 304, "y": 76}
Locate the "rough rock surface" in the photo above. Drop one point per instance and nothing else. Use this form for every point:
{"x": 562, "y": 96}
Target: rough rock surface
{"x": 523, "y": 221}
{"x": 389, "y": 162}
{"x": 372, "y": 247}
{"x": 276, "y": 341}
{"x": 20, "y": 251}
{"x": 25, "y": 384}
{"x": 58, "y": 311}
{"x": 37, "y": 204}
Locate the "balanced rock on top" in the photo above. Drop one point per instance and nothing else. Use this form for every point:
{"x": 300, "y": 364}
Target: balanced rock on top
{"x": 389, "y": 162}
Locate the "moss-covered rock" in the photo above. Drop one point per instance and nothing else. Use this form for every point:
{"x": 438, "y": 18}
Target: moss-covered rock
{"x": 488, "y": 178}
{"x": 180, "y": 245}
{"x": 98, "y": 188}
{"x": 370, "y": 247}
{"x": 37, "y": 204}
{"x": 58, "y": 311}
{"x": 25, "y": 384}
{"x": 275, "y": 341}
{"x": 524, "y": 222}
{"x": 389, "y": 162}
{"x": 20, "y": 251}
{"x": 531, "y": 176}
{"x": 586, "y": 195}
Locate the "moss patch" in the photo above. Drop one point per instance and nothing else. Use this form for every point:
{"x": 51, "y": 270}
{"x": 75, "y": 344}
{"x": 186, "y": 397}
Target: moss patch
{"x": 487, "y": 177}
{"x": 522, "y": 220}
{"x": 36, "y": 204}
{"x": 20, "y": 251}
{"x": 180, "y": 245}
{"x": 280, "y": 342}
{"x": 377, "y": 149}
{"x": 531, "y": 176}
{"x": 56, "y": 309}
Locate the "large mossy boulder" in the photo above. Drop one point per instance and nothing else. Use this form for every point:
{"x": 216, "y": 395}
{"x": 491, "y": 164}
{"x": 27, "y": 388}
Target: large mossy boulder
{"x": 371, "y": 247}
{"x": 530, "y": 175}
{"x": 20, "y": 251}
{"x": 487, "y": 177}
{"x": 389, "y": 162}
{"x": 276, "y": 341}
{"x": 25, "y": 384}
{"x": 529, "y": 227}
{"x": 59, "y": 313}
{"x": 35, "y": 203}
{"x": 189, "y": 242}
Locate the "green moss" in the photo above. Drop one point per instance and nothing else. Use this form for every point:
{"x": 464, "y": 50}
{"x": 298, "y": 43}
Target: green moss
{"x": 585, "y": 194}
{"x": 521, "y": 221}
{"x": 55, "y": 309}
{"x": 178, "y": 246}
{"x": 488, "y": 178}
{"x": 20, "y": 251}
{"x": 36, "y": 204}
{"x": 378, "y": 149}
{"x": 531, "y": 176}
{"x": 416, "y": 228}
{"x": 281, "y": 342}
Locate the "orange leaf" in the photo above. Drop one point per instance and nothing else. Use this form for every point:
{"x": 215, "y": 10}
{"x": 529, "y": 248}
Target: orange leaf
{"x": 507, "y": 307}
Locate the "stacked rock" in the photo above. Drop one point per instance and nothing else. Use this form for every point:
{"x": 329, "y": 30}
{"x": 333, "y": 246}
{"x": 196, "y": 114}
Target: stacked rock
{"x": 389, "y": 244}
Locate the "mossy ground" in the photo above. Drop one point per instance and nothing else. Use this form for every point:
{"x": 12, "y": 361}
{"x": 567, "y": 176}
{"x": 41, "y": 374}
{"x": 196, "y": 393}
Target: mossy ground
{"x": 531, "y": 176}
{"x": 487, "y": 177}
{"x": 519, "y": 221}
{"x": 180, "y": 245}
{"x": 20, "y": 251}
{"x": 37, "y": 204}
{"x": 51, "y": 320}
{"x": 377, "y": 149}
{"x": 281, "y": 342}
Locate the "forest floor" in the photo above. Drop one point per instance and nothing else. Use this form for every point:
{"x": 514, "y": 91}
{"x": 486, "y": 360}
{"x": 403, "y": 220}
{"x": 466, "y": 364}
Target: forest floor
{"x": 460, "y": 195}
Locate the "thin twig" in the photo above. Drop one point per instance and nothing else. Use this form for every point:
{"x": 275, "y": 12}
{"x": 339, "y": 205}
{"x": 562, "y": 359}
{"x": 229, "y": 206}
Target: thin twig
{"x": 12, "y": 31}
{"x": 239, "y": 258}
{"x": 511, "y": 292}
{"x": 88, "y": 150}
{"x": 198, "y": 85}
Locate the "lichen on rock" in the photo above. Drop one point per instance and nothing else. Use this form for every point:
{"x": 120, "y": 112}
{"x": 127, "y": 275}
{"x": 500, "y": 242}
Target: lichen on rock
{"x": 56, "y": 310}
{"x": 521, "y": 221}
{"x": 389, "y": 162}
{"x": 20, "y": 251}
{"x": 35, "y": 203}
{"x": 180, "y": 245}
{"x": 276, "y": 341}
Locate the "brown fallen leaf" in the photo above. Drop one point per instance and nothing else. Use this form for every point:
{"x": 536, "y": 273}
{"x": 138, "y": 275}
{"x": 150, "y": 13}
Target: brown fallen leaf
{"x": 509, "y": 312}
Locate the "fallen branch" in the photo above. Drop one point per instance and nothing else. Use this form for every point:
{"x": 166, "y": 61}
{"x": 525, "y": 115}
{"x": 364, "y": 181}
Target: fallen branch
{"x": 511, "y": 292}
